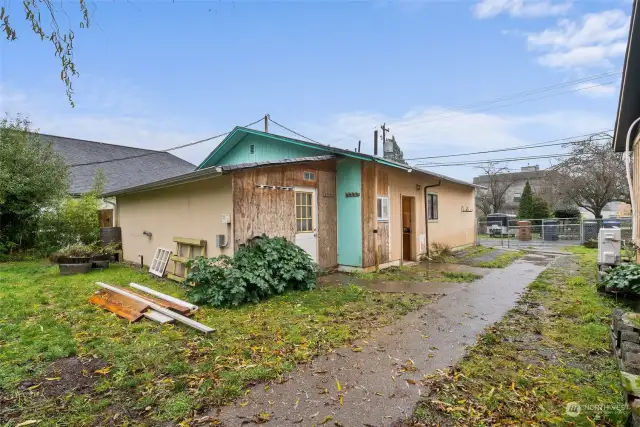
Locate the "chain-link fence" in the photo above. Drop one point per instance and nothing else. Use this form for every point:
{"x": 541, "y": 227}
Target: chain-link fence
{"x": 546, "y": 233}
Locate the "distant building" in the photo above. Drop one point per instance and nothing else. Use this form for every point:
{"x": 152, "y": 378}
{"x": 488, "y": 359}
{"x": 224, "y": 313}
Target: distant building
{"x": 533, "y": 174}
{"x": 611, "y": 210}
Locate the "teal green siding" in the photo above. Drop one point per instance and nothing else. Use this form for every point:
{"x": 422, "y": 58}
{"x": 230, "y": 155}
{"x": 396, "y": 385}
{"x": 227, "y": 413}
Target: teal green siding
{"x": 265, "y": 149}
{"x": 348, "y": 180}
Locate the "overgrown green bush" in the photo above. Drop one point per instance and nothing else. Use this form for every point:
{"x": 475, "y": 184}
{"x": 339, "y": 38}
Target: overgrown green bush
{"x": 73, "y": 221}
{"x": 264, "y": 267}
{"x": 624, "y": 278}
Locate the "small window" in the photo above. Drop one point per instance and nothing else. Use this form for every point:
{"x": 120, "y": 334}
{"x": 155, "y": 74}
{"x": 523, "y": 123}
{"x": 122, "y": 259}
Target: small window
{"x": 516, "y": 197}
{"x": 432, "y": 206}
{"x": 252, "y": 149}
{"x": 309, "y": 176}
{"x": 383, "y": 208}
{"x": 304, "y": 212}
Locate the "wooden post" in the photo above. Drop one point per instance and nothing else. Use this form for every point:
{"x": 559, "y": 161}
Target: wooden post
{"x": 376, "y": 246}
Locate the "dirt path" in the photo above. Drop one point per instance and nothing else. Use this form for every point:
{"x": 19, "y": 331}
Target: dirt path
{"x": 377, "y": 381}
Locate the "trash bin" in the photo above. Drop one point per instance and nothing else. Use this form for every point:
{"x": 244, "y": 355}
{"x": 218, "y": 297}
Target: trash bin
{"x": 550, "y": 231}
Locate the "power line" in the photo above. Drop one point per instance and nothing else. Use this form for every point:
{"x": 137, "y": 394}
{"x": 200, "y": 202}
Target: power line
{"x": 161, "y": 151}
{"x": 550, "y": 143}
{"x": 293, "y": 131}
{"x": 485, "y": 161}
{"x": 515, "y": 95}
{"x": 506, "y": 105}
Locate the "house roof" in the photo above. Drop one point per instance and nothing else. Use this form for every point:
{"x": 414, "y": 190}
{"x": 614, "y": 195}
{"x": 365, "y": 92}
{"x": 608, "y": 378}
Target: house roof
{"x": 137, "y": 165}
{"x": 212, "y": 172}
{"x": 239, "y": 133}
{"x": 519, "y": 176}
{"x": 629, "y": 101}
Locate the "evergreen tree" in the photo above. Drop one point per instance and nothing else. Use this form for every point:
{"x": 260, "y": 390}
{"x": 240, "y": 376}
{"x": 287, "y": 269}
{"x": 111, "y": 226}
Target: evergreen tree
{"x": 525, "y": 209}
{"x": 540, "y": 208}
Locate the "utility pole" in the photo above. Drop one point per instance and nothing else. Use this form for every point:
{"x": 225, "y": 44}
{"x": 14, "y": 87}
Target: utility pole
{"x": 359, "y": 146}
{"x": 266, "y": 123}
{"x": 385, "y": 129}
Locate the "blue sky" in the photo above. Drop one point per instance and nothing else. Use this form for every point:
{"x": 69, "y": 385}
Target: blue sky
{"x": 158, "y": 74}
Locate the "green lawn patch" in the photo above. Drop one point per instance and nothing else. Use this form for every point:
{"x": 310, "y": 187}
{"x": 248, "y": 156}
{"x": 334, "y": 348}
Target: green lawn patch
{"x": 552, "y": 349}
{"x": 501, "y": 261}
{"x": 418, "y": 273}
{"x": 150, "y": 373}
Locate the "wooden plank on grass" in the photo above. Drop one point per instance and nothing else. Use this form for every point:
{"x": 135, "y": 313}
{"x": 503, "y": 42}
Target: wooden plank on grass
{"x": 105, "y": 300}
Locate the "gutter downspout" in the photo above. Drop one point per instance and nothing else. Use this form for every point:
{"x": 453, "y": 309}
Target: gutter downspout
{"x": 426, "y": 213}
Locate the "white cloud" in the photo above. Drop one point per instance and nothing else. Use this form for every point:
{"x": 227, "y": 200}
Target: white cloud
{"x": 520, "y": 8}
{"x": 591, "y": 42}
{"x": 435, "y": 132}
{"x": 600, "y": 91}
{"x": 122, "y": 120}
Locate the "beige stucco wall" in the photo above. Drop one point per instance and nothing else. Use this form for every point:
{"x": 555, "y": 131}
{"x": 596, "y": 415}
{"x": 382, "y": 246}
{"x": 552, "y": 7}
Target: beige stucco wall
{"x": 192, "y": 210}
{"x": 453, "y": 227}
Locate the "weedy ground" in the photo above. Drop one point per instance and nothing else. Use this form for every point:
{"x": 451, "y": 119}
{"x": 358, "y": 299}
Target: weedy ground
{"x": 64, "y": 361}
{"x": 418, "y": 273}
{"x": 552, "y": 349}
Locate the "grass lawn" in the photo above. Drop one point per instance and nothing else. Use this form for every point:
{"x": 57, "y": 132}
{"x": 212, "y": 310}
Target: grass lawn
{"x": 552, "y": 349}
{"x": 501, "y": 261}
{"x": 66, "y": 362}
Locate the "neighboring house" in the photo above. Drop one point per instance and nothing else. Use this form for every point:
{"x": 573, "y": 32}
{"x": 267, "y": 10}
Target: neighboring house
{"x": 533, "y": 174}
{"x": 344, "y": 208}
{"x": 628, "y": 115}
{"x": 140, "y": 166}
{"x": 610, "y": 210}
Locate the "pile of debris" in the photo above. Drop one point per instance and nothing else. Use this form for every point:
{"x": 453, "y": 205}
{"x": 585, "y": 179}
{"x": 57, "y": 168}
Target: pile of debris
{"x": 152, "y": 305}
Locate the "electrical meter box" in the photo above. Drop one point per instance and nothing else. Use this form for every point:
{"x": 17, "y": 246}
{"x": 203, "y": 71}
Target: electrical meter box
{"x": 609, "y": 240}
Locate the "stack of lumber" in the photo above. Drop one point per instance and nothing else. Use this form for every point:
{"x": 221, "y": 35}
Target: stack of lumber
{"x": 149, "y": 303}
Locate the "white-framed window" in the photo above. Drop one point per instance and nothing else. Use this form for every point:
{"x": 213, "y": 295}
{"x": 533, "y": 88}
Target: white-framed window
{"x": 309, "y": 176}
{"x": 383, "y": 208}
{"x": 432, "y": 206}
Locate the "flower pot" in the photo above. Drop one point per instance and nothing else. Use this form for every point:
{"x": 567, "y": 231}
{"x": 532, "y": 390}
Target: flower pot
{"x": 76, "y": 268}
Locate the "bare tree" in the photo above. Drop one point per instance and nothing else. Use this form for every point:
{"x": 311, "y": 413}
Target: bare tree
{"x": 592, "y": 175}
{"x": 498, "y": 180}
{"x": 42, "y": 16}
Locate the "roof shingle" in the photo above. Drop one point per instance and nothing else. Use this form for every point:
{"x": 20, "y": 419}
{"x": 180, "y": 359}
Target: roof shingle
{"x": 149, "y": 166}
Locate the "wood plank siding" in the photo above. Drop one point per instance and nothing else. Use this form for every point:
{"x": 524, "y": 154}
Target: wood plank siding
{"x": 258, "y": 211}
{"x": 368, "y": 215}
{"x": 383, "y": 226}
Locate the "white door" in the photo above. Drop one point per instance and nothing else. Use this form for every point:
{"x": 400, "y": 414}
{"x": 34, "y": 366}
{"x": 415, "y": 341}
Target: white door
{"x": 307, "y": 221}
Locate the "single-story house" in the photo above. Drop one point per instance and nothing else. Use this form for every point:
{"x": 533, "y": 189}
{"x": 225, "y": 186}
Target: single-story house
{"x": 345, "y": 208}
{"x": 135, "y": 166}
{"x": 628, "y": 116}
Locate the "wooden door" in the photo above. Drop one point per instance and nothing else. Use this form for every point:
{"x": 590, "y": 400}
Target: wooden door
{"x": 407, "y": 228}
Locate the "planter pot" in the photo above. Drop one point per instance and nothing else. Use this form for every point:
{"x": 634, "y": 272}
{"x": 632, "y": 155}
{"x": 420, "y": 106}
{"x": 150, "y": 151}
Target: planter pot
{"x": 74, "y": 260}
{"x": 100, "y": 261}
{"x": 69, "y": 269}
{"x": 100, "y": 264}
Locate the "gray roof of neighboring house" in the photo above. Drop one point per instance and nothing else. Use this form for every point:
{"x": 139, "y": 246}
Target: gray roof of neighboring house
{"x": 140, "y": 166}
{"x": 213, "y": 171}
